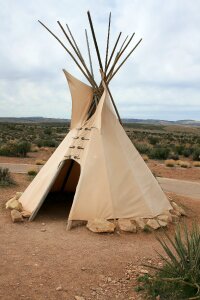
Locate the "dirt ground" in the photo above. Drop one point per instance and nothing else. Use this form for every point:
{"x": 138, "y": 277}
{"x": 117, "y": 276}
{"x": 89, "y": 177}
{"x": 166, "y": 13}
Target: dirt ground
{"x": 41, "y": 260}
{"x": 160, "y": 170}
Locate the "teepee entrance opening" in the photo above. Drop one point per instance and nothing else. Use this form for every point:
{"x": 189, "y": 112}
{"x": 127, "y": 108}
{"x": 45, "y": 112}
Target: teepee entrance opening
{"x": 59, "y": 200}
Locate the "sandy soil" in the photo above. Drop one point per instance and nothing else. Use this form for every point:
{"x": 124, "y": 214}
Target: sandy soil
{"x": 41, "y": 260}
{"x": 160, "y": 170}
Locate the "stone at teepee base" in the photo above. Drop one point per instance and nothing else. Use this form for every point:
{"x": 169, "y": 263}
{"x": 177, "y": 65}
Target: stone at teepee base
{"x": 16, "y": 216}
{"x": 162, "y": 223}
{"x": 25, "y": 214}
{"x": 13, "y": 203}
{"x": 165, "y": 218}
{"x": 127, "y": 225}
{"x": 100, "y": 226}
{"x": 152, "y": 224}
{"x": 140, "y": 224}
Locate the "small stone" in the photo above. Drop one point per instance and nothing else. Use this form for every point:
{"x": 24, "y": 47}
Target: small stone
{"x": 100, "y": 226}
{"x": 127, "y": 225}
{"x": 162, "y": 223}
{"x": 16, "y": 216}
{"x": 59, "y": 288}
{"x": 25, "y": 214}
{"x": 139, "y": 223}
{"x": 79, "y": 298}
{"x": 83, "y": 269}
{"x": 152, "y": 224}
{"x": 43, "y": 224}
{"x": 43, "y": 230}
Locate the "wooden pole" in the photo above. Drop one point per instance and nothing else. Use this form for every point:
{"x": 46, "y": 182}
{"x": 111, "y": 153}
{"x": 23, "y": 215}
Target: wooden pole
{"x": 95, "y": 41}
{"x": 108, "y": 40}
{"x": 119, "y": 54}
{"x": 124, "y": 60}
{"x": 77, "y": 53}
{"x": 111, "y": 97}
{"x": 112, "y": 53}
{"x": 89, "y": 54}
{"x": 74, "y": 59}
{"x": 73, "y": 39}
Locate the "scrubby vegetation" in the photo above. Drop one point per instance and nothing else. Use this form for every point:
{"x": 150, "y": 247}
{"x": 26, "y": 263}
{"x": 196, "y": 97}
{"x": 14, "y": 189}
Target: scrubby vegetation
{"x": 154, "y": 141}
{"x": 179, "y": 276}
{"x": 5, "y": 177}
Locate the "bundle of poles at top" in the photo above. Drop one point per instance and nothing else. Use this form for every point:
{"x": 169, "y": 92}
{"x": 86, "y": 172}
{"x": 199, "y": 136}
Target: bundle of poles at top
{"x": 108, "y": 70}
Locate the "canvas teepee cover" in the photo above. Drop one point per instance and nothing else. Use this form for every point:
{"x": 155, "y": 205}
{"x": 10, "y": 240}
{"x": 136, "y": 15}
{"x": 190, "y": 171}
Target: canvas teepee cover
{"x": 114, "y": 180}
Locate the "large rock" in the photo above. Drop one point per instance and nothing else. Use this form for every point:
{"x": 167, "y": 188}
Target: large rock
{"x": 16, "y": 216}
{"x": 127, "y": 225}
{"x": 13, "y": 203}
{"x": 140, "y": 224}
{"x": 100, "y": 226}
{"x": 178, "y": 208}
{"x": 152, "y": 224}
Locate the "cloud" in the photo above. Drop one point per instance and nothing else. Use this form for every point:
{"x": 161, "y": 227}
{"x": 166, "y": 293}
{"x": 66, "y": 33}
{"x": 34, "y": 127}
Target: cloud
{"x": 161, "y": 79}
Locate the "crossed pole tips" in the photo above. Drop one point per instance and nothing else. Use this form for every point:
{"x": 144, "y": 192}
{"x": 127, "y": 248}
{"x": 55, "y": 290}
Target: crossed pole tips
{"x": 112, "y": 62}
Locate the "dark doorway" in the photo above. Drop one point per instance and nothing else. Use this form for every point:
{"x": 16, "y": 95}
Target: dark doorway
{"x": 58, "y": 202}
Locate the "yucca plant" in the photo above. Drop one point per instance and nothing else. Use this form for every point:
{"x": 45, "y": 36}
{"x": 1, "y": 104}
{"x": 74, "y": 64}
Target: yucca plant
{"x": 179, "y": 277}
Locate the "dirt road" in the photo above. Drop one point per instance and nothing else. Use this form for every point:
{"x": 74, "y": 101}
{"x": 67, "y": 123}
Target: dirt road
{"x": 180, "y": 187}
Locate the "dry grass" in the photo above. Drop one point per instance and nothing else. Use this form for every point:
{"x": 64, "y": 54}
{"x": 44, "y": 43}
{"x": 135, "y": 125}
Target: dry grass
{"x": 170, "y": 163}
{"x": 184, "y": 164}
{"x": 196, "y": 163}
{"x": 40, "y": 162}
{"x": 145, "y": 157}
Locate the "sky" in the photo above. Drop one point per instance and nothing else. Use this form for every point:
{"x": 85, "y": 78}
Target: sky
{"x": 161, "y": 80}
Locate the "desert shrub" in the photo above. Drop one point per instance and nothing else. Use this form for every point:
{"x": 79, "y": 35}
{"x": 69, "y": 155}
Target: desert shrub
{"x": 5, "y": 177}
{"x": 196, "y": 154}
{"x": 184, "y": 164}
{"x": 173, "y": 156}
{"x": 179, "y": 276}
{"x": 48, "y": 131}
{"x": 196, "y": 163}
{"x": 179, "y": 149}
{"x": 32, "y": 172}
{"x": 22, "y": 148}
{"x": 187, "y": 152}
{"x": 145, "y": 157}
{"x": 46, "y": 143}
{"x": 39, "y": 162}
{"x": 170, "y": 163}
{"x": 15, "y": 149}
{"x": 153, "y": 140}
{"x": 159, "y": 153}
{"x": 143, "y": 148}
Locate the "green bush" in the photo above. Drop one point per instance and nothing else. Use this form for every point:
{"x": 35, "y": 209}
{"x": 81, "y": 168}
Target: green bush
{"x": 46, "y": 143}
{"x": 179, "y": 277}
{"x": 5, "y": 177}
{"x": 15, "y": 149}
{"x": 32, "y": 172}
{"x": 143, "y": 148}
{"x": 196, "y": 154}
{"x": 159, "y": 153}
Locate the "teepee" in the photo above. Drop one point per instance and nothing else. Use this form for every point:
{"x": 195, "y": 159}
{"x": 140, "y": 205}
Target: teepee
{"x": 96, "y": 161}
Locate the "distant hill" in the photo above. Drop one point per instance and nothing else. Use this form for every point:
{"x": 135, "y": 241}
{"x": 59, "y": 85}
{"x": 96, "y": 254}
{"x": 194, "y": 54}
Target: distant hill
{"x": 142, "y": 121}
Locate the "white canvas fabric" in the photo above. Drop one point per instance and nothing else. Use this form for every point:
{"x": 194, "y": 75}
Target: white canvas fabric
{"x": 114, "y": 180}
